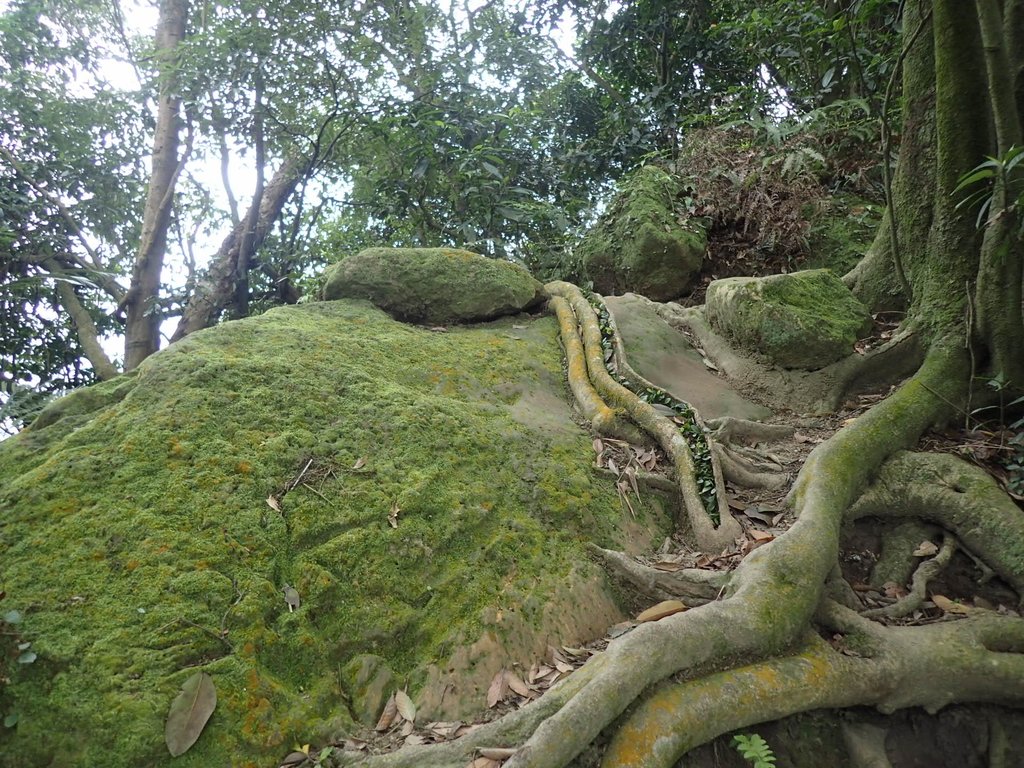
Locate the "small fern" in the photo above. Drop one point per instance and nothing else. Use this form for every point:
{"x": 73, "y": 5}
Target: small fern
{"x": 754, "y": 749}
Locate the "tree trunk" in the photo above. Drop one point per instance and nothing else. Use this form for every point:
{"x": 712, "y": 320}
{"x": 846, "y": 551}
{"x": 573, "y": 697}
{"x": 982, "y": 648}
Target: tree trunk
{"x": 142, "y": 328}
{"x": 216, "y": 289}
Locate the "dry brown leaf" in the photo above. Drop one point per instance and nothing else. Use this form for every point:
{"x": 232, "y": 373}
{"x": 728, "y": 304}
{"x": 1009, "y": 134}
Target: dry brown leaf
{"x": 613, "y": 466}
{"x": 661, "y": 610}
{"x": 496, "y": 753}
{"x": 445, "y": 729}
{"x": 406, "y": 729}
{"x": 802, "y": 438}
{"x": 761, "y": 537}
{"x": 894, "y": 590}
{"x": 293, "y": 759}
{"x": 405, "y": 706}
{"x": 515, "y": 682}
{"x": 355, "y": 745}
{"x": 387, "y": 717}
{"x": 926, "y": 549}
{"x": 360, "y": 463}
{"x": 273, "y": 503}
{"x": 564, "y": 668}
{"x": 948, "y": 606}
{"x": 414, "y": 740}
{"x": 393, "y": 516}
{"x": 498, "y": 690}
{"x": 484, "y": 762}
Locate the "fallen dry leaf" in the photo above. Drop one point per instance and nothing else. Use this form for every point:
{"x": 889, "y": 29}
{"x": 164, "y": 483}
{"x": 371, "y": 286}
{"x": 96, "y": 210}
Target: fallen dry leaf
{"x": 387, "y": 717}
{"x": 189, "y": 712}
{"x": 273, "y": 503}
{"x": 360, "y": 463}
{"x": 498, "y": 690}
{"x": 926, "y": 549}
{"x": 762, "y": 537}
{"x": 948, "y": 606}
{"x": 515, "y": 682}
{"x": 393, "y": 516}
{"x": 661, "y": 610}
{"x": 496, "y": 753}
{"x": 405, "y": 706}
{"x": 291, "y": 597}
{"x": 894, "y": 590}
{"x": 484, "y": 762}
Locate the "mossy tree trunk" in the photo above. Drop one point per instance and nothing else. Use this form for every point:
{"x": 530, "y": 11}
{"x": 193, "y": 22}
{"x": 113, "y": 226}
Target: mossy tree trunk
{"x": 962, "y": 103}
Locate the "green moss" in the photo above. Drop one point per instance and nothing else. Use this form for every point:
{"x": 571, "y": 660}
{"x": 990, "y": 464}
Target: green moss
{"x": 841, "y": 234}
{"x": 645, "y": 243}
{"x": 138, "y": 542}
{"x": 433, "y": 285}
{"x": 799, "y": 320}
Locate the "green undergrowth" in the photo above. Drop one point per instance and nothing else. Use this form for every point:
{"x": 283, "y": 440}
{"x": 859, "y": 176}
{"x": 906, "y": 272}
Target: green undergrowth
{"x": 138, "y": 543}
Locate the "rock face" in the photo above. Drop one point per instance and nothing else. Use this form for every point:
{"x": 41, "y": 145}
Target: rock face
{"x": 435, "y": 286}
{"x": 645, "y": 243}
{"x": 801, "y": 320}
{"x": 427, "y": 495}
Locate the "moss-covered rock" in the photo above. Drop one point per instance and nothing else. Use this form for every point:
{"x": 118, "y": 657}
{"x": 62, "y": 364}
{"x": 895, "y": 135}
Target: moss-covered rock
{"x": 801, "y": 320}
{"x": 645, "y": 243}
{"x": 150, "y": 532}
{"x": 433, "y": 285}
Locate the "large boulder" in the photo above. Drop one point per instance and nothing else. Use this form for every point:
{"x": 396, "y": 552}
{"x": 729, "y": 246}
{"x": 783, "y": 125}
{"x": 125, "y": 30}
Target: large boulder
{"x": 645, "y": 243}
{"x": 435, "y": 286}
{"x": 801, "y": 320}
{"x": 428, "y": 495}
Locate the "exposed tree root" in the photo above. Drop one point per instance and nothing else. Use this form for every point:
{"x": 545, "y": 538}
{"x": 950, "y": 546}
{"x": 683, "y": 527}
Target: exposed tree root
{"x": 693, "y": 586}
{"x": 958, "y": 497}
{"x": 740, "y": 471}
{"x": 896, "y": 561}
{"x": 730, "y": 430}
{"x": 977, "y": 659}
{"x": 706, "y": 535}
{"x": 603, "y": 419}
{"x": 925, "y": 572}
{"x": 766, "y": 606}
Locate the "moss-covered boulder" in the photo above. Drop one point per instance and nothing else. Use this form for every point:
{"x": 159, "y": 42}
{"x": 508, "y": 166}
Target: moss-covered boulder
{"x": 428, "y": 496}
{"x": 801, "y": 320}
{"x": 436, "y": 286}
{"x": 645, "y": 243}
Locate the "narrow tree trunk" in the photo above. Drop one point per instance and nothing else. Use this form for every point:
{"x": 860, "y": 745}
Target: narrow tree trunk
{"x": 142, "y": 328}
{"x": 85, "y": 328}
{"x": 217, "y": 288}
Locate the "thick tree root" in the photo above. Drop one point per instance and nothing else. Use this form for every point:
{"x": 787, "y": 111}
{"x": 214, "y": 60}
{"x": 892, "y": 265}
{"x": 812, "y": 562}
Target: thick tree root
{"x": 766, "y": 606}
{"x": 958, "y": 497}
{"x": 603, "y": 419}
{"x": 727, "y": 429}
{"x": 925, "y": 572}
{"x": 931, "y": 666}
{"x": 693, "y": 586}
{"x": 706, "y": 535}
{"x": 740, "y": 471}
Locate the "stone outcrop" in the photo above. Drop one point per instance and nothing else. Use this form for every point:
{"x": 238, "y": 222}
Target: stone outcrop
{"x": 799, "y": 320}
{"x": 645, "y": 243}
{"x": 435, "y": 286}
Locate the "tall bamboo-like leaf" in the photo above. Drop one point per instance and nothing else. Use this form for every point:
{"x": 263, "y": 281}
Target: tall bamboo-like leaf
{"x": 189, "y": 712}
